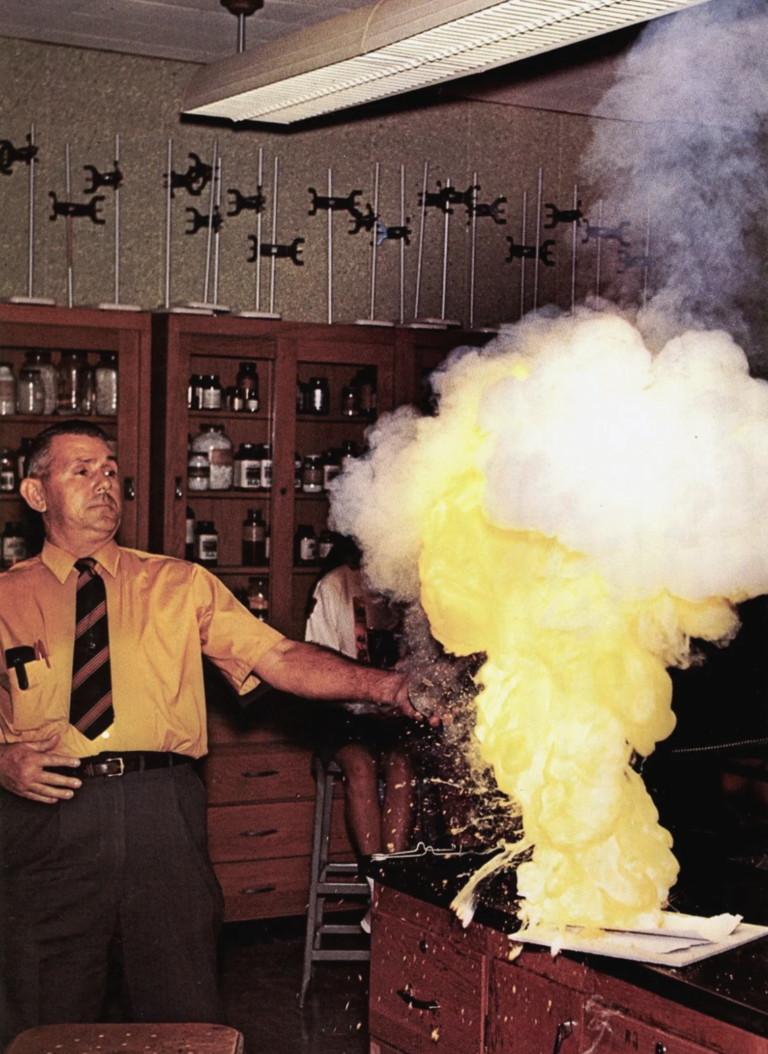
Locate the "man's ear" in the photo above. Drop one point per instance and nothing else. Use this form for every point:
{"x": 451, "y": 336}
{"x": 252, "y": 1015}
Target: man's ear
{"x": 33, "y": 493}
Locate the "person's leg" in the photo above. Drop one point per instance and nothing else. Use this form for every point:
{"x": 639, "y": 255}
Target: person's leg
{"x": 397, "y": 813}
{"x": 361, "y": 797}
{"x": 172, "y": 907}
{"x": 58, "y": 889}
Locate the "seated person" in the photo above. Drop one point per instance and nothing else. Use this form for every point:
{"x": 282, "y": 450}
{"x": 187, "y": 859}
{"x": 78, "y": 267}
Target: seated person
{"x": 366, "y": 745}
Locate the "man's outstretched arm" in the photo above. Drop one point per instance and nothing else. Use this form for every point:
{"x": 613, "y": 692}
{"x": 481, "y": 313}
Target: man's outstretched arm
{"x": 317, "y": 673}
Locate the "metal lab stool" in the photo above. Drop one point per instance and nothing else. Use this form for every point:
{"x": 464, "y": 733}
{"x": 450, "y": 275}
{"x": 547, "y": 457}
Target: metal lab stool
{"x": 128, "y": 1039}
{"x": 329, "y": 880}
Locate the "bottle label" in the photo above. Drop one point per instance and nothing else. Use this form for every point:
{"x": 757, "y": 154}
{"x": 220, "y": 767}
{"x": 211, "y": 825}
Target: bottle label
{"x": 14, "y": 549}
{"x": 211, "y": 399}
{"x": 253, "y": 532}
{"x": 247, "y": 474}
{"x": 190, "y": 540}
{"x": 266, "y": 474}
{"x": 207, "y": 548}
{"x": 330, "y": 472}
{"x": 7, "y": 479}
{"x": 308, "y": 549}
{"x": 251, "y": 402}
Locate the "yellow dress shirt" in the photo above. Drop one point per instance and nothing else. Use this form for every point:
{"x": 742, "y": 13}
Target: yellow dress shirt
{"x": 164, "y": 614}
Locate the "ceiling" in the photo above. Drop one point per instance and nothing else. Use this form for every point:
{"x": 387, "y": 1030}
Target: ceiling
{"x": 190, "y": 30}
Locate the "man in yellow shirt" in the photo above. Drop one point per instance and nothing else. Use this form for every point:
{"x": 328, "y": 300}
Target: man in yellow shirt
{"x": 102, "y": 825}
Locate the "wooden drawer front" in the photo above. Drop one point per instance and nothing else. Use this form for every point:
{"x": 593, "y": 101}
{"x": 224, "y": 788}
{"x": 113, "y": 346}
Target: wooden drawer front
{"x": 253, "y": 776}
{"x": 259, "y": 832}
{"x": 425, "y": 993}
{"x": 528, "y": 1014}
{"x": 258, "y": 889}
{"x": 611, "y": 1032}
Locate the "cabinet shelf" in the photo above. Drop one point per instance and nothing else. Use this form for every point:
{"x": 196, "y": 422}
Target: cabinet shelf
{"x": 213, "y": 416}
{"x": 44, "y": 420}
{"x": 334, "y": 419}
{"x": 237, "y": 495}
{"x": 241, "y": 569}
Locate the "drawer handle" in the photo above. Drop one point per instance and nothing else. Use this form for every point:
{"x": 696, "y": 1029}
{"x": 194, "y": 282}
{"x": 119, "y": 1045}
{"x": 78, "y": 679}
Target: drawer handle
{"x": 255, "y": 890}
{"x": 564, "y": 1030}
{"x": 258, "y": 834}
{"x": 260, "y": 775}
{"x": 406, "y": 994}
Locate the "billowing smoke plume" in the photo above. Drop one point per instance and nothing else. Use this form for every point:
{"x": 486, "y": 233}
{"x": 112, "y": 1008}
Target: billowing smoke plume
{"x": 695, "y": 163}
{"x": 577, "y": 511}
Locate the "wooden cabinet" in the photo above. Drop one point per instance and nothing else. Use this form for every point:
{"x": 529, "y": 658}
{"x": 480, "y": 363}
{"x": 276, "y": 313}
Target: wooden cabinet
{"x": 435, "y": 986}
{"x": 427, "y": 990}
{"x": 25, "y": 328}
{"x": 258, "y": 774}
{"x": 286, "y": 355}
{"x": 529, "y": 1014}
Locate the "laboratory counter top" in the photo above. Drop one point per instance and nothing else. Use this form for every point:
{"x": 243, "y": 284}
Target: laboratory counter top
{"x": 731, "y": 986}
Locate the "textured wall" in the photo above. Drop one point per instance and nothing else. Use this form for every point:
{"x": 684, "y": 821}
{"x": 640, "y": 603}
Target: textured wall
{"x": 85, "y": 97}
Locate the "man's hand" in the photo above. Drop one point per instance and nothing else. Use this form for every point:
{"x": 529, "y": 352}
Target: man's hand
{"x": 22, "y": 771}
{"x": 426, "y": 701}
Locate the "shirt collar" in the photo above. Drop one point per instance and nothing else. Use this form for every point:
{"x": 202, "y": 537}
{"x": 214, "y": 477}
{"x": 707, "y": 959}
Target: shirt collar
{"x": 60, "y": 562}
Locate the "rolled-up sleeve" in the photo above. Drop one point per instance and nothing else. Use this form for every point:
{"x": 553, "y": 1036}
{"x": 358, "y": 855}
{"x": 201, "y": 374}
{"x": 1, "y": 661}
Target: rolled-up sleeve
{"x": 229, "y": 634}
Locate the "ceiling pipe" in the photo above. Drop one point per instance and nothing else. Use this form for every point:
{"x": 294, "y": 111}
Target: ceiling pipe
{"x": 242, "y": 9}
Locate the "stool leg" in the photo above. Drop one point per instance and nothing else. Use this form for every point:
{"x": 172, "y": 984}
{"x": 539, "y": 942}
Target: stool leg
{"x": 321, "y": 784}
{"x": 325, "y": 850}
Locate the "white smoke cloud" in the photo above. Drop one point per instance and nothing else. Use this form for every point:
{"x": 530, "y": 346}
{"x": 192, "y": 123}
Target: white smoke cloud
{"x": 697, "y": 84}
{"x": 656, "y": 467}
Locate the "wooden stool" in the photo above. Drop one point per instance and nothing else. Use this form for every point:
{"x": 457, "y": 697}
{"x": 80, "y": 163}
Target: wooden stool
{"x": 128, "y": 1039}
{"x": 348, "y": 883}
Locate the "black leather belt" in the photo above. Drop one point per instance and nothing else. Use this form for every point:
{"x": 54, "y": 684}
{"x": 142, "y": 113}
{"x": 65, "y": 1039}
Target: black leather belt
{"x": 107, "y": 764}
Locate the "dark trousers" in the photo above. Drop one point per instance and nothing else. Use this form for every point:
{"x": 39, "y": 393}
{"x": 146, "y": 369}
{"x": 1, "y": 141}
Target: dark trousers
{"x": 125, "y": 856}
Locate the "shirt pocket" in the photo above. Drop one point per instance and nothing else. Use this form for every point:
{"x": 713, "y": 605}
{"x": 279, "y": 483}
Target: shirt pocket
{"x": 43, "y": 699}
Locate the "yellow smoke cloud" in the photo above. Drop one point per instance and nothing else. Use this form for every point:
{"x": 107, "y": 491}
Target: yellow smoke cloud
{"x": 577, "y": 511}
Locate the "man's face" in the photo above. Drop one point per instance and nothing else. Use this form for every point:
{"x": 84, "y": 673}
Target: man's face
{"x": 80, "y": 496}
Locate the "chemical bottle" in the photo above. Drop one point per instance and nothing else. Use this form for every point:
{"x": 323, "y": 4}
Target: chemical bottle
{"x": 206, "y": 543}
{"x": 254, "y": 536}
{"x": 189, "y": 545}
{"x": 14, "y": 545}
{"x": 248, "y": 380}
{"x": 305, "y": 545}
{"x": 258, "y": 599}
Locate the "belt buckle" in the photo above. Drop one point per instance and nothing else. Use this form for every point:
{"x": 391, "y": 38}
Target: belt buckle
{"x": 110, "y": 761}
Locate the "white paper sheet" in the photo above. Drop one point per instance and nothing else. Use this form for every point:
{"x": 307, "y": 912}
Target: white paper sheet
{"x": 680, "y": 941}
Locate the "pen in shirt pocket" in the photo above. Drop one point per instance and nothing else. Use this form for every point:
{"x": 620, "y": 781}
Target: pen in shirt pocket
{"x": 41, "y": 653}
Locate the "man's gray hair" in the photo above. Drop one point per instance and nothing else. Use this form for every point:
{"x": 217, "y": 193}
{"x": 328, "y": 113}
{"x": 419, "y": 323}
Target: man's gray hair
{"x": 38, "y": 462}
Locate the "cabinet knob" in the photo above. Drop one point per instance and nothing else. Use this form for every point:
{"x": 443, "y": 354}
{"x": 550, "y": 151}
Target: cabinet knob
{"x": 258, "y": 834}
{"x": 129, "y": 489}
{"x": 406, "y": 994}
{"x": 564, "y": 1030}
{"x": 251, "y": 891}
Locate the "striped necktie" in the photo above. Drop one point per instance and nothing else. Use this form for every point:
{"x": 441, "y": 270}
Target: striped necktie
{"x": 90, "y": 709}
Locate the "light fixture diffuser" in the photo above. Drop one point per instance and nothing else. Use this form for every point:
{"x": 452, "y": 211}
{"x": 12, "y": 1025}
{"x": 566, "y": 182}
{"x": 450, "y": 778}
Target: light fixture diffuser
{"x": 397, "y": 46}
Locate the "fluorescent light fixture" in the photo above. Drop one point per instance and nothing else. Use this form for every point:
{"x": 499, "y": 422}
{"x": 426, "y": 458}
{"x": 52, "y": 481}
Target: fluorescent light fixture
{"x": 397, "y": 46}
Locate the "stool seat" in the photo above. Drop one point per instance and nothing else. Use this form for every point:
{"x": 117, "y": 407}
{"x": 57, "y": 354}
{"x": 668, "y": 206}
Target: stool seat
{"x": 329, "y": 879}
{"x": 128, "y": 1039}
